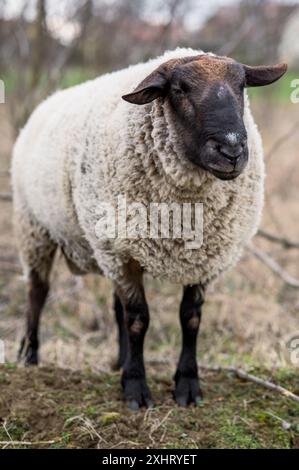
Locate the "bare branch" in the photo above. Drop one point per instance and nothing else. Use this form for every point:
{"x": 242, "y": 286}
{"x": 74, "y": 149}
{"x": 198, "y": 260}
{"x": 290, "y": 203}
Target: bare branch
{"x": 241, "y": 374}
{"x": 285, "y": 424}
{"x": 274, "y": 266}
{"x": 164, "y": 35}
{"x": 7, "y": 197}
{"x": 39, "y": 44}
{"x": 67, "y": 53}
{"x": 241, "y": 34}
{"x": 280, "y": 240}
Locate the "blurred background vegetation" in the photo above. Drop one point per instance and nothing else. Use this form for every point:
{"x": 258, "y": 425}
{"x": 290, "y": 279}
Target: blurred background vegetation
{"x": 47, "y": 44}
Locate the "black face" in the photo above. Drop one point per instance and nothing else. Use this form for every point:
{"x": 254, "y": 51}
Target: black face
{"x": 204, "y": 95}
{"x": 207, "y": 111}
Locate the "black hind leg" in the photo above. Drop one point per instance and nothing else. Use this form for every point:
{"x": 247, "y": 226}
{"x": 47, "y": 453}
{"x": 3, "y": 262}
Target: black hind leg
{"x": 39, "y": 260}
{"x": 37, "y": 251}
{"x": 122, "y": 332}
{"x": 38, "y": 291}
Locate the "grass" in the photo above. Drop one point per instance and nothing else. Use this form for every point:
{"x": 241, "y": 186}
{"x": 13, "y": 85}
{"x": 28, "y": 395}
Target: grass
{"x": 81, "y": 409}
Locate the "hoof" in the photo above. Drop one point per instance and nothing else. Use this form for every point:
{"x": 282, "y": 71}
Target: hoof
{"x": 27, "y": 354}
{"x": 31, "y": 357}
{"x": 137, "y": 394}
{"x": 187, "y": 391}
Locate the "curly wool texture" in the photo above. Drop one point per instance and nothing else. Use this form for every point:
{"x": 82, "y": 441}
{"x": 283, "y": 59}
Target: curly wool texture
{"x": 85, "y": 145}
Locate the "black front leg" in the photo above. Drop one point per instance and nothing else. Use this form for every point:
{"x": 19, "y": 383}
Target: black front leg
{"x": 187, "y": 388}
{"x": 132, "y": 296}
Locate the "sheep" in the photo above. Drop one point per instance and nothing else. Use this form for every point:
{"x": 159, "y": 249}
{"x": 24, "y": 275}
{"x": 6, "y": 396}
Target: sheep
{"x": 176, "y": 129}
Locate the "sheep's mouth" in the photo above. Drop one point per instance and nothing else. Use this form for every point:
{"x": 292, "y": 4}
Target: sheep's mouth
{"x": 227, "y": 169}
{"x": 224, "y": 175}
{"x": 223, "y": 166}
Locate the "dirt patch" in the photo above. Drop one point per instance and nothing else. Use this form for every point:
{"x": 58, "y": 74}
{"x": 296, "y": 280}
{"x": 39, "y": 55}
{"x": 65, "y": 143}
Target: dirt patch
{"x": 50, "y": 407}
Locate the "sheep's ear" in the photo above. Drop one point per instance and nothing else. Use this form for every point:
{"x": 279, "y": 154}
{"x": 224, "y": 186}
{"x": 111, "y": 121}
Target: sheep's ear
{"x": 263, "y": 74}
{"x": 152, "y": 87}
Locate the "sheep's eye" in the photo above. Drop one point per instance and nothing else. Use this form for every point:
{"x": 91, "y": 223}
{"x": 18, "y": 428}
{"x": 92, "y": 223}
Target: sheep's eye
{"x": 181, "y": 89}
{"x": 184, "y": 87}
{"x": 178, "y": 91}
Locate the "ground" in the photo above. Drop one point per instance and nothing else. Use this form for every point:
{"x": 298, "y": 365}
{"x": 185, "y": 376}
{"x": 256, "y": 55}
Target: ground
{"x": 51, "y": 407}
{"x": 74, "y": 399}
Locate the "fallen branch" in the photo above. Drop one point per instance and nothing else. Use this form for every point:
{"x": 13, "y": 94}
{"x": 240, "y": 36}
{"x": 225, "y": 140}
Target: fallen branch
{"x": 274, "y": 266}
{"x": 280, "y": 240}
{"x": 285, "y": 424}
{"x": 7, "y": 197}
{"x": 241, "y": 374}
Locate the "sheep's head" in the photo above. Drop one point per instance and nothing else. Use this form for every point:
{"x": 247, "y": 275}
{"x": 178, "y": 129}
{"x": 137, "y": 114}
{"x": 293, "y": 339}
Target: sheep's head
{"x": 205, "y": 99}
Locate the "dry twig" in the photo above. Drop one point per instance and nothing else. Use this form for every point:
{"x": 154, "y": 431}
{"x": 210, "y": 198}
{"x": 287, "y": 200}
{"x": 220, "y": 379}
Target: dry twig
{"x": 285, "y": 424}
{"x": 241, "y": 374}
{"x": 157, "y": 424}
{"x": 6, "y": 197}
{"x": 274, "y": 266}
{"x": 87, "y": 427}
{"x": 285, "y": 242}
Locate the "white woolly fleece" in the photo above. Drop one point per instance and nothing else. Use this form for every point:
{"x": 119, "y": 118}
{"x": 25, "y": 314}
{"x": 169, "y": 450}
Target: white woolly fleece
{"x": 85, "y": 145}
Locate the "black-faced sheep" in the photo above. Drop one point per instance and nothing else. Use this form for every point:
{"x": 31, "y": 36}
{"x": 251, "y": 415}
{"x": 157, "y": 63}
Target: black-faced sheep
{"x": 192, "y": 141}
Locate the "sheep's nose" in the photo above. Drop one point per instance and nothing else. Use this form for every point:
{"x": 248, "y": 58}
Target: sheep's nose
{"x": 232, "y": 148}
{"x": 231, "y": 151}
